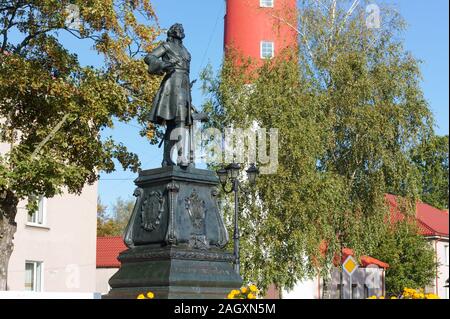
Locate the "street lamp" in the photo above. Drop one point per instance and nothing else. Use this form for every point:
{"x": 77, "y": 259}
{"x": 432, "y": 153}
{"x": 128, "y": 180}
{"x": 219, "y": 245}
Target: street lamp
{"x": 231, "y": 173}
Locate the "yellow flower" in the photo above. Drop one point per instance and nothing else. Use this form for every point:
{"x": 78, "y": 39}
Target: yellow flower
{"x": 393, "y": 297}
{"x": 253, "y": 288}
{"x": 372, "y": 297}
{"x": 381, "y": 297}
{"x": 244, "y": 290}
{"x": 150, "y": 295}
{"x": 230, "y": 296}
{"x": 235, "y": 292}
{"x": 141, "y": 296}
{"x": 251, "y": 296}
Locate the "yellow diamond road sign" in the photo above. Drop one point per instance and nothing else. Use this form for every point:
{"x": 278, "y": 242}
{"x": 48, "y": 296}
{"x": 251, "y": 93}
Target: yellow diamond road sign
{"x": 350, "y": 265}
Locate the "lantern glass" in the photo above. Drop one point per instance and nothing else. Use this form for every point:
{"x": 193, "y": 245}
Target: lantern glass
{"x": 223, "y": 176}
{"x": 252, "y": 174}
{"x": 233, "y": 170}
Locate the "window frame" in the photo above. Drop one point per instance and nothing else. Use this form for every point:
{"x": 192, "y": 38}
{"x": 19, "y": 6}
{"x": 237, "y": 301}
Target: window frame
{"x": 262, "y": 47}
{"x": 39, "y": 217}
{"x": 37, "y": 280}
{"x": 264, "y": 4}
{"x": 446, "y": 256}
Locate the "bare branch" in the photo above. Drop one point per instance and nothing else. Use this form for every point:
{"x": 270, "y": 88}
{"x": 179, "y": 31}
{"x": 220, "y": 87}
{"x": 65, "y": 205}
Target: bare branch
{"x": 9, "y": 25}
{"x": 50, "y": 136}
{"x": 30, "y": 37}
{"x": 77, "y": 35}
{"x": 283, "y": 20}
{"x": 350, "y": 11}
{"x": 323, "y": 6}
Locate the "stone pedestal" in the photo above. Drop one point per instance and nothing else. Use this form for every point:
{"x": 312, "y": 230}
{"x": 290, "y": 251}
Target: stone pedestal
{"x": 176, "y": 238}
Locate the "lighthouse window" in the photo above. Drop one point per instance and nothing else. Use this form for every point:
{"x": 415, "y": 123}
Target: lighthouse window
{"x": 266, "y": 3}
{"x": 267, "y": 50}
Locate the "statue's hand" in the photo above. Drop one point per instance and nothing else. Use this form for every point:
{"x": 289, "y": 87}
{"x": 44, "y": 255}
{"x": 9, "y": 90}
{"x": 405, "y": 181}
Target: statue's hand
{"x": 168, "y": 66}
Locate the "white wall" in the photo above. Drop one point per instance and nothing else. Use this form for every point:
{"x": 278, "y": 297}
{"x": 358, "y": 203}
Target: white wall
{"x": 102, "y": 277}
{"x": 66, "y": 245}
{"x": 48, "y": 295}
{"x": 307, "y": 289}
{"x": 443, "y": 269}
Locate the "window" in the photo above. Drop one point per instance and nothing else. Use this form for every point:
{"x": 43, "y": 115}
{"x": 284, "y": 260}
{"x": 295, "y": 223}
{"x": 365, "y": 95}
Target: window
{"x": 339, "y": 291}
{"x": 366, "y": 292}
{"x": 355, "y": 294}
{"x": 446, "y": 255}
{"x": 39, "y": 216}
{"x": 266, "y": 3}
{"x": 267, "y": 50}
{"x": 33, "y": 276}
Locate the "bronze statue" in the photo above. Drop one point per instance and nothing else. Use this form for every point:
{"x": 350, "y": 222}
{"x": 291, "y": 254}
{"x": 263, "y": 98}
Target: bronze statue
{"x": 172, "y": 105}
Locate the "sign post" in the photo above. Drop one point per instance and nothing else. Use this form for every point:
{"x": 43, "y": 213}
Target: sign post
{"x": 350, "y": 266}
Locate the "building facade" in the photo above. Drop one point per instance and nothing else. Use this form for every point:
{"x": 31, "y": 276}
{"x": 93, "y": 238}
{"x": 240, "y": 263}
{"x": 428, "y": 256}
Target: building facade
{"x": 260, "y": 29}
{"x": 54, "y": 248}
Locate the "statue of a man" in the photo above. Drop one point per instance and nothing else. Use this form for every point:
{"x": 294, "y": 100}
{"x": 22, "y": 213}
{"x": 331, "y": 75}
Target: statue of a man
{"x": 172, "y": 104}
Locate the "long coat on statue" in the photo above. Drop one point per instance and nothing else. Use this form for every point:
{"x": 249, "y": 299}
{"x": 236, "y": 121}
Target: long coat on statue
{"x": 173, "y": 98}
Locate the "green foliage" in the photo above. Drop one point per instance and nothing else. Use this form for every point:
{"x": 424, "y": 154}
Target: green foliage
{"x": 411, "y": 259}
{"x": 52, "y": 109}
{"x": 431, "y": 159}
{"x": 349, "y": 107}
{"x": 115, "y": 224}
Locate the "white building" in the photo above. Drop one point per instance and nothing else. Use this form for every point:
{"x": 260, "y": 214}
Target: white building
{"x": 55, "y": 248}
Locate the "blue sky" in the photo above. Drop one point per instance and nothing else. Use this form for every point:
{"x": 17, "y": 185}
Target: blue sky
{"x": 427, "y": 38}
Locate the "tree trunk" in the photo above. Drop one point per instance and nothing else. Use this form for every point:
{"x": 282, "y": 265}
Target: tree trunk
{"x": 8, "y": 226}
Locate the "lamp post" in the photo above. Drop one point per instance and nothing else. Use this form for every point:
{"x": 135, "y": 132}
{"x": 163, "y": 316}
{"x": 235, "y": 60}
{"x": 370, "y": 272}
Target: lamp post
{"x": 231, "y": 173}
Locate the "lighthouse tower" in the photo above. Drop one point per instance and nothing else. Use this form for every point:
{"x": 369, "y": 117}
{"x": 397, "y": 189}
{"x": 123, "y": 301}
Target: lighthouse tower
{"x": 260, "y": 29}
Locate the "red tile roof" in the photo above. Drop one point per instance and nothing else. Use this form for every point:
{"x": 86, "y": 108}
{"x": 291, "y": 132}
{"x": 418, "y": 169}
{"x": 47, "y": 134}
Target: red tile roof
{"x": 431, "y": 220}
{"x": 364, "y": 260}
{"x": 108, "y": 249}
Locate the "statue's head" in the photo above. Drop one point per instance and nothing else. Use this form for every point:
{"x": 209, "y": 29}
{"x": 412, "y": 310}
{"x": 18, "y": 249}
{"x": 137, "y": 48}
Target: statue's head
{"x": 176, "y": 31}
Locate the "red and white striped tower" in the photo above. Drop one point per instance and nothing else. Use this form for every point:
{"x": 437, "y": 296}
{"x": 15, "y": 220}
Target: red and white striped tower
{"x": 260, "y": 28}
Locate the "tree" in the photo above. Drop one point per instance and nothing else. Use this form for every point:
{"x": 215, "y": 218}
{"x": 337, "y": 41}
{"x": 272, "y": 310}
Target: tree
{"x": 410, "y": 257}
{"x": 52, "y": 109}
{"x": 114, "y": 225}
{"x": 349, "y": 107}
{"x": 431, "y": 159}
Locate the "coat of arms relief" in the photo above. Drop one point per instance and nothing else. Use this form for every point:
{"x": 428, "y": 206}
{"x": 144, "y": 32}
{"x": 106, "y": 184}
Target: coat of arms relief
{"x": 151, "y": 211}
{"x": 196, "y": 209}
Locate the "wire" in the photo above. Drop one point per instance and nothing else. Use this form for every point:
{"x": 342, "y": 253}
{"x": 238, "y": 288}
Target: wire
{"x": 210, "y": 39}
